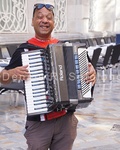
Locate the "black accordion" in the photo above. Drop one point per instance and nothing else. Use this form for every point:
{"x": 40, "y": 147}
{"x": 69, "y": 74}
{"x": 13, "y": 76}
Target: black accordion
{"x": 56, "y": 79}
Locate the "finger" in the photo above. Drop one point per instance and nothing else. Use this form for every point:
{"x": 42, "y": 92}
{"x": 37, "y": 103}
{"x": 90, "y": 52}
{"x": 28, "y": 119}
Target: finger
{"x": 23, "y": 69}
{"x": 90, "y": 77}
{"x": 25, "y": 66}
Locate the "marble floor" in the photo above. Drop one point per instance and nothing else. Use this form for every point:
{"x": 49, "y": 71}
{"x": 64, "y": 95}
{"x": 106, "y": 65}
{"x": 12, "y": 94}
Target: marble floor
{"x": 98, "y": 127}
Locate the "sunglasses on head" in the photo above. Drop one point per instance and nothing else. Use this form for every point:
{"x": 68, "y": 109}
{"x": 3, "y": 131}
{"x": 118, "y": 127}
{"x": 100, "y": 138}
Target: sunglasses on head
{"x": 47, "y": 6}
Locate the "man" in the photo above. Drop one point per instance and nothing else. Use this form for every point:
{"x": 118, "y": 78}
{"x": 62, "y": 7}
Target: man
{"x": 56, "y": 130}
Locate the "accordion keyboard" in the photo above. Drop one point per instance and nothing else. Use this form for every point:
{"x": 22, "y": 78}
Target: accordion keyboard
{"x": 37, "y": 94}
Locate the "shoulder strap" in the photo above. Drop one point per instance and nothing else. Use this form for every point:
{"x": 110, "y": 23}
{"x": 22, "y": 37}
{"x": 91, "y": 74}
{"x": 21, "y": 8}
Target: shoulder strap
{"x": 28, "y": 46}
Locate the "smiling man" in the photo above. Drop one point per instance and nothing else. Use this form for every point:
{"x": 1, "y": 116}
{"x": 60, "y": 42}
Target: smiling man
{"x": 43, "y": 23}
{"x": 55, "y": 130}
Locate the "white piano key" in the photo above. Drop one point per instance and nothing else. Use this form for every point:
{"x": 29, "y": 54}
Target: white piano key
{"x": 35, "y": 61}
{"x": 42, "y": 91}
{"x": 37, "y": 106}
{"x": 38, "y": 102}
{"x": 41, "y": 97}
{"x": 31, "y": 70}
{"x": 35, "y": 97}
{"x": 40, "y": 86}
{"x": 37, "y": 82}
{"x": 35, "y": 64}
{"x": 35, "y": 74}
{"x": 34, "y": 78}
{"x": 40, "y": 78}
{"x": 38, "y": 91}
{"x": 34, "y": 56}
{"x": 38, "y": 95}
{"x": 35, "y": 53}
{"x": 37, "y": 111}
{"x": 31, "y": 96}
{"x": 35, "y": 88}
{"x": 35, "y": 101}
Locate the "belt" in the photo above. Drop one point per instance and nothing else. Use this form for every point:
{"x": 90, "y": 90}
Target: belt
{"x": 44, "y": 117}
{"x": 36, "y": 118}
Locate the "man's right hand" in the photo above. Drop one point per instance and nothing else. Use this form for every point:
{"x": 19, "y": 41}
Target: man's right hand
{"x": 18, "y": 73}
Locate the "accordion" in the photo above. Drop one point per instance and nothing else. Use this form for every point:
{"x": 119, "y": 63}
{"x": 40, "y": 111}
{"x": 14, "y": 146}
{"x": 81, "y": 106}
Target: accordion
{"x": 56, "y": 78}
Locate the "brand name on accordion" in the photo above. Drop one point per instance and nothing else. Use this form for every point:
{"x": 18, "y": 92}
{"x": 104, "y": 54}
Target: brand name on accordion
{"x": 61, "y": 77}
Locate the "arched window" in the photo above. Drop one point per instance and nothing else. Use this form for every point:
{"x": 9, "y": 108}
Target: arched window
{"x": 102, "y": 15}
{"x": 13, "y": 16}
{"x": 60, "y": 15}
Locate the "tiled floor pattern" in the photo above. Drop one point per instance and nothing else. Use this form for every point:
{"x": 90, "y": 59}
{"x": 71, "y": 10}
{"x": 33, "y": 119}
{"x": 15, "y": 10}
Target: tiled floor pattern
{"x": 98, "y": 127}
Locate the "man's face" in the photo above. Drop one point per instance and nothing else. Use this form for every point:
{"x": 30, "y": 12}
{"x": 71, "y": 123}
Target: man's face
{"x": 43, "y": 23}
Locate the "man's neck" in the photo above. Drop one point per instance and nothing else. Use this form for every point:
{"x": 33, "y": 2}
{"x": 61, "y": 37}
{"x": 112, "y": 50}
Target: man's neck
{"x": 43, "y": 38}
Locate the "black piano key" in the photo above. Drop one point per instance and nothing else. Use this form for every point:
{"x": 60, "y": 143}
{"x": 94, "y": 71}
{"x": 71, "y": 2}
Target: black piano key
{"x": 35, "y": 73}
{"x": 35, "y": 65}
{"x": 36, "y": 77}
{"x": 38, "y": 89}
{"x": 39, "y": 95}
{"x": 34, "y": 54}
{"x": 36, "y": 85}
{"x": 35, "y": 62}
{"x": 37, "y": 81}
{"x": 35, "y": 70}
{"x": 34, "y": 58}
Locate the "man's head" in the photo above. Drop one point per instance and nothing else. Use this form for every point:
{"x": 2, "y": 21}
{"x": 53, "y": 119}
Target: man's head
{"x": 43, "y": 20}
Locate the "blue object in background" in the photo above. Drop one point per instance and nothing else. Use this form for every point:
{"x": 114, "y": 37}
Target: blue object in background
{"x": 117, "y": 39}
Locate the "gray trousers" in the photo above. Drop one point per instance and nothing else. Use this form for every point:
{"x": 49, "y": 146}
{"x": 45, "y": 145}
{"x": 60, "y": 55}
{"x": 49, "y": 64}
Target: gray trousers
{"x": 56, "y": 134}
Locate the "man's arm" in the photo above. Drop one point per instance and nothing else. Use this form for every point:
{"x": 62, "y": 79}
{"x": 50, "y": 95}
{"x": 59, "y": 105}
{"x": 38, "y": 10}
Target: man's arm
{"x": 19, "y": 73}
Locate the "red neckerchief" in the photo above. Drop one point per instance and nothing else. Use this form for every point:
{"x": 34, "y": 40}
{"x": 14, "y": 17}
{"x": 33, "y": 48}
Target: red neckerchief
{"x": 42, "y": 43}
